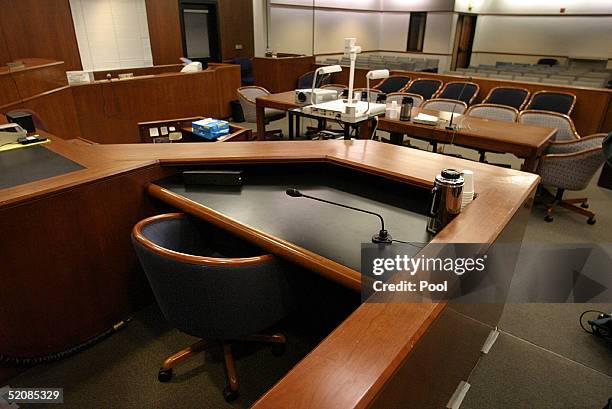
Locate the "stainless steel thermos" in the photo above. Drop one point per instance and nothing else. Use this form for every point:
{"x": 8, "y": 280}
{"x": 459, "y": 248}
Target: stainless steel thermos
{"x": 446, "y": 197}
{"x": 405, "y": 113}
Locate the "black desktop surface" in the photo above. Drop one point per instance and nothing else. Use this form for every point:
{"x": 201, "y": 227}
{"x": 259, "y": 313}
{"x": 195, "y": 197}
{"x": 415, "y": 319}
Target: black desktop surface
{"x": 330, "y": 231}
{"x": 29, "y": 164}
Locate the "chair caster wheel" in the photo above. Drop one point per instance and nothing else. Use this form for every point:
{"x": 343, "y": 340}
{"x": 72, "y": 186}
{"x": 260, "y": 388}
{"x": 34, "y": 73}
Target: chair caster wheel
{"x": 230, "y": 395}
{"x": 584, "y": 205}
{"x": 278, "y": 349}
{"x": 164, "y": 375}
{"x": 591, "y": 221}
{"x": 548, "y": 218}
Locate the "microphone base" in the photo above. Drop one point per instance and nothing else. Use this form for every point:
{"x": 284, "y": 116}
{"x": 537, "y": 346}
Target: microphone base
{"x": 452, "y": 127}
{"x": 382, "y": 237}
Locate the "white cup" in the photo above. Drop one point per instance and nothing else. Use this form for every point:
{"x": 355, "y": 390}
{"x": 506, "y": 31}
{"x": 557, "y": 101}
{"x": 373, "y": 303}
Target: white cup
{"x": 468, "y": 181}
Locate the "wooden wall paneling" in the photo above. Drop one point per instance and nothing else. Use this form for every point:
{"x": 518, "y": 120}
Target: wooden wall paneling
{"x": 281, "y": 74}
{"x": 164, "y": 31}
{"x": 109, "y": 111}
{"x": 84, "y": 277}
{"x": 57, "y": 110}
{"x": 37, "y": 80}
{"x": 5, "y": 56}
{"x": 236, "y": 27}
{"x": 8, "y": 90}
{"x": 44, "y": 29}
{"x": 228, "y": 81}
{"x": 38, "y": 76}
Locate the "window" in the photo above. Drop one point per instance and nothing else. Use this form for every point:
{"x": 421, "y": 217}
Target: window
{"x": 416, "y": 31}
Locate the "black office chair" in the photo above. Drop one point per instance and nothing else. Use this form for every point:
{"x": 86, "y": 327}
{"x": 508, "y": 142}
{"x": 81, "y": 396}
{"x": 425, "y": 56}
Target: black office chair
{"x": 39, "y": 124}
{"x": 305, "y": 81}
{"x": 425, "y": 87}
{"x": 246, "y": 70}
{"x": 455, "y": 90}
{"x": 221, "y": 290}
{"x": 555, "y": 101}
{"x": 507, "y": 96}
{"x": 394, "y": 83}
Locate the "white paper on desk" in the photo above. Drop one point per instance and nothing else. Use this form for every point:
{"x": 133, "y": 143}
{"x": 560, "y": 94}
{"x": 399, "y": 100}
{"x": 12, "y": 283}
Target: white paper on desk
{"x": 425, "y": 119}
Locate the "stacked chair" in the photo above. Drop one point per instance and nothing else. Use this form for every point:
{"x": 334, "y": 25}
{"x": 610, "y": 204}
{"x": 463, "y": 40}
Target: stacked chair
{"x": 573, "y": 75}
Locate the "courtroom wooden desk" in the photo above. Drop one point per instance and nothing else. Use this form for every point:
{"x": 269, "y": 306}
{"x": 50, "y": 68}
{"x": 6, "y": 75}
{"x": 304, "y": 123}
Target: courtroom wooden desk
{"x": 281, "y": 73}
{"x": 525, "y": 141}
{"x": 108, "y": 111}
{"x": 282, "y": 100}
{"x": 68, "y": 272}
{"x": 367, "y": 361}
{"x": 528, "y": 142}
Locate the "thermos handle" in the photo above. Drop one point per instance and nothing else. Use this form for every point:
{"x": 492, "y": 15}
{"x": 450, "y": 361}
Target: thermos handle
{"x": 435, "y": 202}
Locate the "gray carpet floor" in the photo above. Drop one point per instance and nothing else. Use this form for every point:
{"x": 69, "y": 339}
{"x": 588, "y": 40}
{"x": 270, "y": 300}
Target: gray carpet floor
{"x": 542, "y": 359}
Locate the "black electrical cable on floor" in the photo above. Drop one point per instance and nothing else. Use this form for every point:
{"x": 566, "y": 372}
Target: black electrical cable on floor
{"x": 45, "y": 359}
{"x": 582, "y": 324}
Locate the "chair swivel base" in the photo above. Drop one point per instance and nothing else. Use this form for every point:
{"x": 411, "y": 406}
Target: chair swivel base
{"x": 231, "y": 391}
{"x": 570, "y": 204}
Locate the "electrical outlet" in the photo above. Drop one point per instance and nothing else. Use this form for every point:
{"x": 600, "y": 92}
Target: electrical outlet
{"x": 238, "y": 46}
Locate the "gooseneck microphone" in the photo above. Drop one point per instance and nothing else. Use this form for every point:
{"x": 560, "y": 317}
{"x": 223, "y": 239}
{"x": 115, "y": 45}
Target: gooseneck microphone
{"x": 451, "y": 126}
{"x": 383, "y": 235}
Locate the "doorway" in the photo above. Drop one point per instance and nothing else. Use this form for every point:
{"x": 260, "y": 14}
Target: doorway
{"x": 464, "y": 40}
{"x": 200, "y": 32}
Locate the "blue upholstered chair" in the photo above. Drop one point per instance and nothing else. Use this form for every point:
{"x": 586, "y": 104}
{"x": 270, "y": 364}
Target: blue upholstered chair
{"x": 425, "y": 87}
{"x": 459, "y": 90}
{"x": 570, "y": 165}
{"x": 246, "y": 70}
{"x": 394, "y": 83}
{"x": 508, "y": 96}
{"x": 561, "y": 102}
{"x": 211, "y": 285}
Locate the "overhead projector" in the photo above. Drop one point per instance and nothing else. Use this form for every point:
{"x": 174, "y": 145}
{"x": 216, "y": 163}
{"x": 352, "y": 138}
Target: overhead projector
{"x": 315, "y": 96}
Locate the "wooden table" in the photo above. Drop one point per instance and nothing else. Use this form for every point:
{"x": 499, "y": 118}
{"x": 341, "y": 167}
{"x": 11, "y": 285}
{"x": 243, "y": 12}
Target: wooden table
{"x": 83, "y": 220}
{"x": 525, "y": 141}
{"x": 283, "y": 101}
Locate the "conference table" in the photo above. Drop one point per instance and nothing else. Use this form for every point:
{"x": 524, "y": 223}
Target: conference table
{"x": 82, "y": 214}
{"x": 525, "y": 141}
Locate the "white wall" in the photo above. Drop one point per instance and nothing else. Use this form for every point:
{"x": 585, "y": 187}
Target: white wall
{"x": 332, "y": 27}
{"x": 112, "y": 33}
{"x": 386, "y": 21}
{"x": 535, "y": 6}
{"x": 549, "y": 34}
{"x": 572, "y": 36}
{"x": 291, "y": 30}
{"x": 259, "y": 27}
{"x": 377, "y": 25}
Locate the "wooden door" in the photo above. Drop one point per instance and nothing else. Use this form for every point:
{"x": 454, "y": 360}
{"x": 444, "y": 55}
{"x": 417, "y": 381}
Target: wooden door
{"x": 464, "y": 39}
